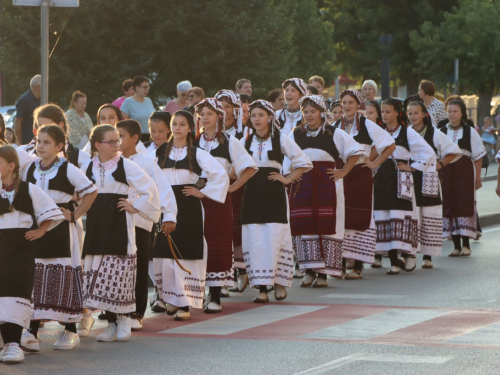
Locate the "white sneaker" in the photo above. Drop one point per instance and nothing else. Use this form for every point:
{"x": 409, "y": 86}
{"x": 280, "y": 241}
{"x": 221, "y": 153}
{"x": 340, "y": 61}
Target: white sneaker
{"x": 182, "y": 315}
{"x": 212, "y": 307}
{"x": 124, "y": 329}
{"x": 67, "y": 340}
{"x": 109, "y": 333}
{"x": 393, "y": 271}
{"x": 29, "y": 342}
{"x": 426, "y": 263}
{"x": 85, "y": 326}
{"x": 377, "y": 264}
{"x": 349, "y": 264}
{"x": 13, "y": 354}
{"x": 224, "y": 293}
{"x": 410, "y": 265}
{"x": 279, "y": 292}
{"x": 465, "y": 252}
{"x": 298, "y": 274}
{"x": 136, "y": 324}
{"x": 454, "y": 253}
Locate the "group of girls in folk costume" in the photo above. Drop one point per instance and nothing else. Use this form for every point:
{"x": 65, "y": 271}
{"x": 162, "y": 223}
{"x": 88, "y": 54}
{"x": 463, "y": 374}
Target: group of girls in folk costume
{"x": 22, "y": 205}
{"x": 395, "y": 210}
{"x": 233, "y": 157}
{"x": 317, "y": 200}
{"x": 110, "y": 251}
{"x": 130, "y": 134}
{"x": 461, "y": 180}
{"x": 231, "y": 102}
{"x": 57, "y": 293}
{"x": 183, "y": 164}
{"x": 360, "y": 233}
{"x": 430, "y": 205}
{"x": 265, "y": 214}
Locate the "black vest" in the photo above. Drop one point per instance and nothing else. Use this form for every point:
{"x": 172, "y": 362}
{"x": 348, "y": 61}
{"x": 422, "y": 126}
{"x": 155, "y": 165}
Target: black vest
{"x": 402, "y": 139}
{"x": 73, "y": 153}
{"x": 429, "y": 137}
{"x": 22, "y": 201}
{"x": 119, "y": 174}
{"x": 147, "y": 144}
{"x": 362, "y": 137}
{"x": 221, "y": 151}
{"x": 323, "y": 141}
{"x": 274, "y": 154}
{"x": 60, "y": 182}
{"x": 166, "y": 163}
{"x": 464, "y": 142}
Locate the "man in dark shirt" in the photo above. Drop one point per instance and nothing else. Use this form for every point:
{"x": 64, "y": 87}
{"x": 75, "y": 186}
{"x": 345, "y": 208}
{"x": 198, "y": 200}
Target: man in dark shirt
{"x": 25, "y": 106}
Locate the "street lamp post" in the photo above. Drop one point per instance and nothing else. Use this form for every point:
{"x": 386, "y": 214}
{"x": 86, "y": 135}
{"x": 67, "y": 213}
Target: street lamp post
{"x": 385, "y": 78}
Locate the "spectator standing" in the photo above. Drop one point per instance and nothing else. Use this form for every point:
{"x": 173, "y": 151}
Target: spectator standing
{"x": 244, "y": 86}
{"x": 369, "y": 90}
{"x": 128, "y": 91}
{"x": 426, "y": 91}
{"x": 25, "y": 106}
{"x": 80, "y": 123}
{"x": 277, "y": 99}
{"x": 195, "y": 95}
{"x": 139, "y": 107}
{"x": 182, "y": 98}
{"x": 489, "y": 138}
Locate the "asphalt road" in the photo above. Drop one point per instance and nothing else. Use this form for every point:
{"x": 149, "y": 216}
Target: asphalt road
{"x": 440, "y": 321}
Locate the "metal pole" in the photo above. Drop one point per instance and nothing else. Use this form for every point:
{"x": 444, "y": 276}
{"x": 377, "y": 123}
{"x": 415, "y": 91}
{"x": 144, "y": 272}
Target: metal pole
{"x": 45, "y": 52}
{"x": 456, "y": 76}
{"x": 337, "y": 88}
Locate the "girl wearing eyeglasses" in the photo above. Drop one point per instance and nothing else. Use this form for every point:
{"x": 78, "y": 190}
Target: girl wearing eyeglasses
{"x": 110, "y": 247}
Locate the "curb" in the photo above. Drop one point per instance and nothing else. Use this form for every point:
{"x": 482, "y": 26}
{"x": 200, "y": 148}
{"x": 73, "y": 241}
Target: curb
{"x": 489, "y": 220}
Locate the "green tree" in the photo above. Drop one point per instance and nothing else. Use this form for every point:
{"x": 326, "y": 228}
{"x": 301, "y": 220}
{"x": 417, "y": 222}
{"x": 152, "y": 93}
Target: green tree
{"x": 359, "y": 23}
{"x": 467, "y": 34}
{"x": 210, "y": 42}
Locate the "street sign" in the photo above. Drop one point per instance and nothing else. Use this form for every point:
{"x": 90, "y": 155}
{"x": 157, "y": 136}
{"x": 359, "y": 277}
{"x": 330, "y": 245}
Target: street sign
{"x": 52, "y": 3}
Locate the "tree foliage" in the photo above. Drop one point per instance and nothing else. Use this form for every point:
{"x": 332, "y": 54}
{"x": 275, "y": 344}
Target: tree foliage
{"x": 465, "y": 34}
{"x": 212, "y": 43}
{"x": 359, "y": 23}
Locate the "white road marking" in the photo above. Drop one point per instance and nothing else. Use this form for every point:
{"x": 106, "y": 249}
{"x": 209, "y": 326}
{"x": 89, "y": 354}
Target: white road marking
{"x": 494, "y": 229}
{"x": 376, "y": 325}
{"x": 228, "y": 324}
{"x": 488, "y": 335}
{"x": 364, "y": 296}
{"x": 358, "y": 357}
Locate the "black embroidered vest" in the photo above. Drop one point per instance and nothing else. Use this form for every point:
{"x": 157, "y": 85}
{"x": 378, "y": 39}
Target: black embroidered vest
{"x": 274, "y": 154}
{"x": 60, "y": 182}
{"x": 323, "y": 141}
{"x": 221, "y": 151}
{"x": 166, "y": 163}
{"x": 464, "y": 142}
{"x": 22, "y": 201}
{"x": 119, "y": 174}
{"x": 429, "y": 137}
{"x": 73, "y": 153}
{"x": 362, "y": 137}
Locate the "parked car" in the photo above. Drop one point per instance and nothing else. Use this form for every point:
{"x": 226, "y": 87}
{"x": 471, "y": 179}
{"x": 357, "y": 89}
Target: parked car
{"x": 8, "y": 112}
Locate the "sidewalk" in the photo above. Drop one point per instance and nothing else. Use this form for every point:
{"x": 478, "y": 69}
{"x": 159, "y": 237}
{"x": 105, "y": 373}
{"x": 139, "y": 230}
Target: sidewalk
{"x": 488, "y": 202}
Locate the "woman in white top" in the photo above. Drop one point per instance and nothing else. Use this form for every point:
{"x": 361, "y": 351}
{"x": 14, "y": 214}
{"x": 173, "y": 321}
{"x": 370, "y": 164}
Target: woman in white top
{"x": 291, "y": 116}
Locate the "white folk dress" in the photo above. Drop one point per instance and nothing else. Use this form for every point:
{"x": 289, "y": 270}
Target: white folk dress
{"x": 360, "y": 244}
{"x": 267, "y": 247}
{"x": 13, "y": 308}
{"x": 397, "y": 228}
{"x": 431, "y": 216}
{"x": 175, "y": 286}
{"x": 109, "y": 278}
{"x": 57, "y": 294}
{"x": 240, "y": 160}
{"x": 307, "y": 247}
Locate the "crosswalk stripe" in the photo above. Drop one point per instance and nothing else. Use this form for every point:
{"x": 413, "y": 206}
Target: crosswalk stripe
{"x": 376, "y": 325}
{"x": 228, "y": 324}
{"x": 489, "y": 335}
{"x": 364, "y": 296}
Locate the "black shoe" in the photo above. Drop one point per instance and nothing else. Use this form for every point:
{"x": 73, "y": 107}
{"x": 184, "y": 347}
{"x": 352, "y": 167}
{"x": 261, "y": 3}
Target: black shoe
{"x": 102, "y": 315}
{"x": 157, "y": 308}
